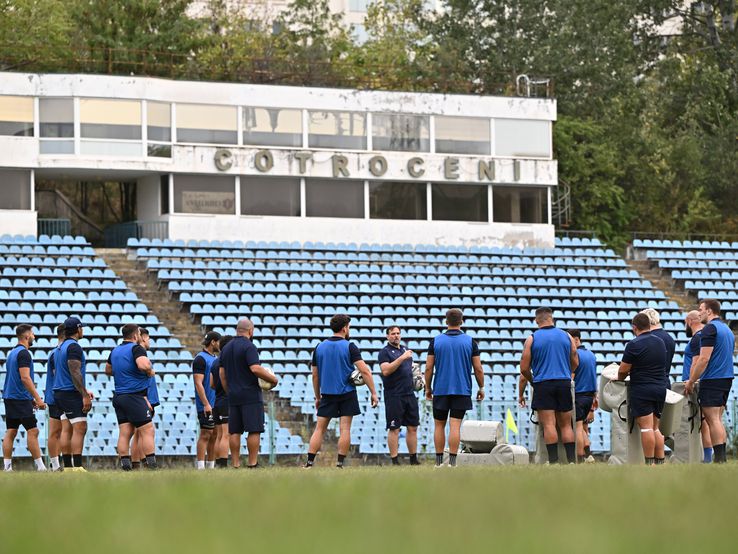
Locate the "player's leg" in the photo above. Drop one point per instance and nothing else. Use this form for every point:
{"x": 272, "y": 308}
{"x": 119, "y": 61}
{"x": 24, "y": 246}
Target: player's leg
{"x": 706, "y": 443}
{"x": 253, "y": 442}
{"x": 580, "y": 440}
{"x": 210, "y": 449}
{"x": 344, "y": 438}
{"x": 648, "y": 439}
{"x": 31, "y": 426}
{"x": 147, "y": 442}
{"x": 659, "y": 451}
{"x": 136, "y": 453}
{"x": 393, "y": 417}
{"x": 234, "y": 444}
{"x": 547, "y": 421}
{"x": 411, "y": 420}
{"x": 563, "y": 422}
{"x": 412, "y": 443}
{"x": 53, "y": 442}
{"x": 316, "y": 440}
{"x": 8, "y": 440}
{"x": 79, "y": 430}
{"x": 439, "y": 434}
{"x": 65, "y": 441}
{"x": 714, "y": 422}
{"x": 125, "y": 431}
{"x": 454, "y": 436}
{"x": 393, "y": 444}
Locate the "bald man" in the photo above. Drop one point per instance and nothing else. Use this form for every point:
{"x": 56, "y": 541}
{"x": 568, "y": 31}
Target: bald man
{"x": 240, "y": 370}
{"x": 693, "y": 322}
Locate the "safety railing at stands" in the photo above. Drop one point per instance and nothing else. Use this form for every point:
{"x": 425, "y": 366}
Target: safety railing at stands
{"x": 116, "y": 236}
{"x": 51, "y": 227}
{"x": 570, "y": 233}
{"x": 684, "y": 236}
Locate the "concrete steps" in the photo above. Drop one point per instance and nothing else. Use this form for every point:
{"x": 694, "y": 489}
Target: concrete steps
{"x": 664, "y": 283}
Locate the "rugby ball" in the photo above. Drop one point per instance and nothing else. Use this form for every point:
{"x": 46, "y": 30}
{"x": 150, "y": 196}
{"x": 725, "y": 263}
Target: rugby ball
{"x": 266, "y": 385}
{"x": 418, "y": 378}
{"x": 357, "y": 379}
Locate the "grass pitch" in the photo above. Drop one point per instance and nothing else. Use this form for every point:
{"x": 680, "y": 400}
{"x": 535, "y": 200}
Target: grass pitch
{"x": 593, "y": 509}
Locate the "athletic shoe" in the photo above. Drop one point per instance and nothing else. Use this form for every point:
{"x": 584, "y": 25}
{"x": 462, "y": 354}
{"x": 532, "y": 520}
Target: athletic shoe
{"x": 77, "y": 469}
{"x": 589, "y": 459}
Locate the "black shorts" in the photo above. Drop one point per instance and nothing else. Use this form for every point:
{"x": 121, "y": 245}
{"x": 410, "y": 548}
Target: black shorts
{"x": 646, "y": 400}
{"x": 132, "y": 408}
{"x": 714, "y": 393}
{"x": 246, "y": 418}
{"x": 583, "y": 404}
{"x": 20, "y": 412}
{"x": 206, "y": 421}
{"x": 455, "y": 405}
{"x": 55, "y": 412}
{"x": 220, "y": 412}
{"x": 339, "y": 405}
{"x": 552, "y": 395}
{"x": 401, "y": 411}
{"x": 70, "y": 402}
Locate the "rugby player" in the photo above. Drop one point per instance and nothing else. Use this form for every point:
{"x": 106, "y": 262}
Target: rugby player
{"x": 21, "y": 399}
{"x": 454, "y": 355}
{"x": 714, "y": 370}
{"x": 220, "y": 410}
{"x": 202, "y": 365}
{"x": 644, "y": 359}
{"x": 400, "y": 402}
{"x": 60, "y": 430}
{"x": 152, "y": 395}
{"x": 333, "y": 361}
{"x": 585, "y": 394}
{"x": 548, "y": 362}
{"x": 240, "y": 371}
{"x": 693, "y": 322}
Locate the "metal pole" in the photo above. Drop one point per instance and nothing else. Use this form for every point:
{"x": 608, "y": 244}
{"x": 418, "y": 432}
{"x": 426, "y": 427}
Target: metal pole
{"x": 272, "y": 453}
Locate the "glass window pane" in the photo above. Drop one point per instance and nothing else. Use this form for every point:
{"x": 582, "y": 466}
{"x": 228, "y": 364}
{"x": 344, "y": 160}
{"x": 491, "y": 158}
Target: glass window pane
{"x": 270, "y": 196}
{"x": 159, "y": 121}
{"x": 390, "y": 200}
{"x": 159, "y": 150}
{"x": 398, "y": 132}
{"x": 272, "y": 127}
{"x": 337, "y": 130}
{"x": 164, "y": 193}
{"x": 457, "y": 202}
{"x": 56, "y": 117}
{"x": 334, "y": 198}
{"x": 56, "y": 147}
{"x": 199, "y": 194}
{"x": 462, "y": 135}
{"x": 106, "y": 148}
{"x": 110, "y": 119}
{"x": 16, "y": 116}
{"x": 522, "y": 137}
{"x": 207, "y": 124}
{"x": 520, "y": 204}
{"x": 15, "y": 190}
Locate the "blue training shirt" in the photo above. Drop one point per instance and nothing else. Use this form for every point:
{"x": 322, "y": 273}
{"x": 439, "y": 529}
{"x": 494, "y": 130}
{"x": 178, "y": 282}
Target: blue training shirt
{"x": 128, "y": 378}
{"x": 335, "y": 358}
{"x": 203, "y": 364}
{"x": 692, "y": 349}
{"x": 152, "y": 393}
{"x": 551, "y": 354}
{"x": 69, "y": 350}
{"x": 50, "y": 372}
{"x": 13, "y": 389}
{"x": 585, "y": 376}
{"x": 453, "y": 352}
{"x": 718, "y": 335}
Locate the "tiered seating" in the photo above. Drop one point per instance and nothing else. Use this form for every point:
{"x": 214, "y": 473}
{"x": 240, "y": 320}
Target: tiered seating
{"x": 290, "y": 290}
{"x": 46, "y": 280}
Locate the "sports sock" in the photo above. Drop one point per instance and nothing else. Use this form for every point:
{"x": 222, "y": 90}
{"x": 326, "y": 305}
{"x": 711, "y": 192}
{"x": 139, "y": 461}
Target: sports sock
{"x": 221, "y": 462}
{"x": 151, "y": 461}
{"x": 54, "y": 461}
{"x": 571, "y": 453}
{"x": 659, "y": 461}
{"x": 39, "y": 464}
{"x": 200, "y": 464}
{"x": 395, "y": 461}
{"x": 707, "y": 454}
{"x": 136, "y": 465}
{"x": 7, "y": 464}
{"x": 341, "y": 458}
{"x": 310, "y": 460}
{"x": 125, "y": 463}
{"x": 439, "y": 459}
{"x": 210, "y": 464}
{"x": 255, "y": 466}
{"x": 77, "y": 460}
{"x": 67, "y": 459}
{"x": 580, "y": 459}
{"x": 587, "y": 451}
{"x": 553, "y": 453}
{"x": 414, "y": 460}
{"x": 452, "y": 460}
{"x": 650, "y": 461}
{"x": 719, "y": 455}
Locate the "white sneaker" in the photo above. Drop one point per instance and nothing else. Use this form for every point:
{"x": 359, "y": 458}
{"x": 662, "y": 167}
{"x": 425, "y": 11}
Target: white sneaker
{"x": 589, "y": 459}
{"x": 8, "y": 469}
{"x": 41, "y": 469}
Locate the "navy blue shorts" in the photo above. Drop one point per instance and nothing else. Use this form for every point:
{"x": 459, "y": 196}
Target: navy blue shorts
{"x": 583, "y": 404}
{"x": 713, "y": 393}
{"x": 55, "y": 412}
{"x": 70, "y": 402}
{"x": 246, "y": 418}
{"x": 132, "y": 408}
{"x": 552, "y": 395}
{"x": 19, "y": 412}
{"x": 455, "y": 405}
{"x": 339, "y": 405}
{"x": 220, "y": 412}
{"x": 647, "y": 399}
{"x": 401, "y": 411}
{"x": 206, "y": 421}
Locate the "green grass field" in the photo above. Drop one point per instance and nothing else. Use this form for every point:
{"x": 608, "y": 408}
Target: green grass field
{"x": 495, "y": 509}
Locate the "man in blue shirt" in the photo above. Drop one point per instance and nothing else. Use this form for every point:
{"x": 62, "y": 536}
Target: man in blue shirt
{"x": 70, "y": 393}
{"x": 644, "y": 359}
{"x": 131, "y": 370}
{"x": 220, "y": 409}
{"x": 694, "y": 325}
{"x": 400, "y": 402}
{"x": 240, "y": 371}
{"x": 548, "y": 362}
{"x": 714, "y": 369}
{"x": 454, "y": 355}
{"x": 332, "y": 363}
{"x": 585, "y": 395}
{"x": 60, "y": 430}
{"x": 202, "y": 365}
{"x": 152, "y": 395}
{"x": 21, "y": 398}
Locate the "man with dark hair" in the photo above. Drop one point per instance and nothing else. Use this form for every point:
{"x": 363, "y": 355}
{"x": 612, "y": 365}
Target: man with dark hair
{"x": 714, "y": 370}
{"x": 220, "y": 409}
{"x": 333, "y": 362}
{"x": 694, "y": 326}
{"x": 70, "y": 393}
{"x": 21, "y": 398}
{"x": 152, "y": 395}
{"x": 585, "y": 394}
{"x": 131, "y": 370}
{"x": 240, "y": 371}
{"x": 454, "y": 355}
{"x": 202, "y": 365}
{"x": 60, "y": 430}
{"x": 400, "y": 402}
{"x": 547, "y": 363}
{"x": 644, "y": 359}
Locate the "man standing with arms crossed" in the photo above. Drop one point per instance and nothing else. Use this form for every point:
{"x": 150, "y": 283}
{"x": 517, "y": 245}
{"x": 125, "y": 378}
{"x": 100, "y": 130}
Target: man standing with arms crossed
{"x": 400, "y": 402}
{"x": 60, "y": 430}
{"x": 454, "y": 355}
{"x": 202, "y": 365}
{"x": 585, "y": 393}
{"x": 693, "y": 322}
{"x": 548, "y": 362}
{"x": 714, "y": 370}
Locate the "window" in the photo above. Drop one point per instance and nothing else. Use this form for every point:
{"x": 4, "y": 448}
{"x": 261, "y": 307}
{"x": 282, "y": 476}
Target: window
{"x": 520, "y": 204}
{"x": 404, "y": 133}
{"x": 15, "y": 190}
{"x": 56, "y": 122}
{"x": 164, "y": 193}
{"x": 270, "y": 196}
{"x": 106, "y": 121}
{"x": 272, "y": 127}
{"x": 207, "y": 124}
{"x": 159, "y": 129}
{"x": 345, "y": 130}
{"x": 390, "y": 200}
{"x": 462, "y": 135}
{"x": 16, "y": 116}
{"x": 520, "y": 138}
{"x": 334, "y": 198}
{"x": 196, "y": 194}
{"x": 457, "y": 202}
{"x": 359, "y": 5}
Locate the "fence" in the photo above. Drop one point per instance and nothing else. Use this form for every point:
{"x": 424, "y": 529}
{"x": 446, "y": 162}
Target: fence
{"x": 53, "y": 227}
{"x": 116, "y": 236}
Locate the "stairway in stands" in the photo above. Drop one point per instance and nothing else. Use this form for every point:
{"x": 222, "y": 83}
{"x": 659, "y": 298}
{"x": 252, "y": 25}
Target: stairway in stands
{"x": 663, "y": 282}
